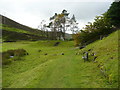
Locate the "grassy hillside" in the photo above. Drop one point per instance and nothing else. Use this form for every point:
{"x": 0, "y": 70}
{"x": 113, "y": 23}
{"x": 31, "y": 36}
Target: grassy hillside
{"x": 14, "y": 24}
{"x": 16, "y": 36}
{"x": 11, "y": 29}
{"x": 55, "y": 70}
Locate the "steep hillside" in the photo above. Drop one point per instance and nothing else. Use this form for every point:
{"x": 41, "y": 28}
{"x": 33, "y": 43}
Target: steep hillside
{"x": 15, "y": 24}
{"x": 62, "y": 66}
{"x": 11, "y": 29}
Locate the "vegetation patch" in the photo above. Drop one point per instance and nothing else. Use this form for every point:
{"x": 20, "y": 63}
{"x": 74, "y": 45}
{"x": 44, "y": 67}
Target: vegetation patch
{"x": 57, "y": 43}
{"x": 11, "y": 55}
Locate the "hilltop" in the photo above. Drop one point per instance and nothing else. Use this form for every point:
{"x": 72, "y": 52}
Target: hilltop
{"x": 58, "y": 70}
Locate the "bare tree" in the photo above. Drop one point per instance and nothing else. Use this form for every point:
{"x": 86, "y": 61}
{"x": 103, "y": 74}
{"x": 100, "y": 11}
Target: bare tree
{"x": 73, "y": 25}
{"x": 41, "y": 27}
{"x": 60, "y": 23}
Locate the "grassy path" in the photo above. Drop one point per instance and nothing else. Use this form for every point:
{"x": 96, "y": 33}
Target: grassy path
{"x": 61, "y": 71}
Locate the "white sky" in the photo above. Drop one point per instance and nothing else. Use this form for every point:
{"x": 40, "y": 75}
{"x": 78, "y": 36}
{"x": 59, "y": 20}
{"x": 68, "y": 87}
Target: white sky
{"x": 32, "y": 12}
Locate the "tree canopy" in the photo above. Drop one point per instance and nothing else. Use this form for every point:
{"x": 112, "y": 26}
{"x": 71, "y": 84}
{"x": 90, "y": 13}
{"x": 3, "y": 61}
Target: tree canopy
{"x": 102, "y": 26}
{"x": 114, "y": 14}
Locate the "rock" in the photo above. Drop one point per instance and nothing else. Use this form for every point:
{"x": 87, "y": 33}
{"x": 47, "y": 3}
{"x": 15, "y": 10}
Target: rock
{"x": 94, "y": 58}
{"x": 76, "y": 47}
{"x": 57, "y": 43}
{"x": 11, "y": 56}
{"x": 27, "y": 53}
{"x": 83, "y": 52}
{"x": 92, "y": 54}
{"x": 83, "y": 57}
{"x": 81, "y": 47}
{"x": 89, "y": 49}
{"x": 39, "y": 50}
{"x": 62, "y": 53}
{"x": 45, "y": 54}
{"x": 111, "y": 57}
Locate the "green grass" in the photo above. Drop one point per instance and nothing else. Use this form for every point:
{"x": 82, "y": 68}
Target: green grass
{"x": 14, "y": 29}
{"x": 54, "y": 70}
{"x": 9, "y": 28}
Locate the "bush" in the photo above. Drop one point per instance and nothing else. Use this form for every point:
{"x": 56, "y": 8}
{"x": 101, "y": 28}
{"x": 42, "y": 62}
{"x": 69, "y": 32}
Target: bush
{"x": 20, "y": 52}
{"x": 11, "y": 55}
{"x": 5, "y": 58}
{"x": 93, "y": 31}
{"x": 76, "y": 38}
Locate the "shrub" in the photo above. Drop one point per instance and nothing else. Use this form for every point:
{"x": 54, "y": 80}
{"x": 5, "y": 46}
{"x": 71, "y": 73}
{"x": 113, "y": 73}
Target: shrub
{"x": 11, "y": 55}
{"x": 20, "y": 52}
{"x": 76, "y": 39}
{"x": 10, "y": 52}
{"x": 5, "y": 58}
{"x": 93, "y": 31}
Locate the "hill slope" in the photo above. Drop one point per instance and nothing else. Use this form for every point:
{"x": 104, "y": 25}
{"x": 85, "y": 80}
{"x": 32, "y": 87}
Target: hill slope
{"x": 11, "y": 29}
{"x": 54, "y": 70}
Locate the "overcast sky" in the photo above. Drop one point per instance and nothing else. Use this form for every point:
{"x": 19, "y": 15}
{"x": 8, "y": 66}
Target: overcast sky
{"x": 32, "y": 12}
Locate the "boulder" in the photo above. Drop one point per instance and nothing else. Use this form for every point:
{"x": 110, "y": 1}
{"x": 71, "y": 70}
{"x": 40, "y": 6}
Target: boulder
{"x": 62, "y": 53}
{"x": 45, "y": 54}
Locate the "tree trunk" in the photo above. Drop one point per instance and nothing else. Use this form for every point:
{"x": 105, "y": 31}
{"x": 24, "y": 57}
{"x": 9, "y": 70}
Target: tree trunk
{"x": 64, "y": 31}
